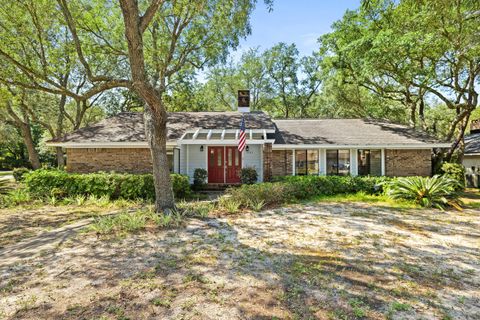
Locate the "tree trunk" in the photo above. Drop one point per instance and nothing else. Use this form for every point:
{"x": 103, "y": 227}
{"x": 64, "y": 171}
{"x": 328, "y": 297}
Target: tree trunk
{"x": 155, "y": 113}
{"x": 156, "y": 132}
{"x": 32, "y": 152}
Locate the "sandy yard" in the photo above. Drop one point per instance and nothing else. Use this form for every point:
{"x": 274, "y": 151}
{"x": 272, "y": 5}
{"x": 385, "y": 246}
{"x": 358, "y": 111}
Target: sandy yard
{"x": 318, "y": 261}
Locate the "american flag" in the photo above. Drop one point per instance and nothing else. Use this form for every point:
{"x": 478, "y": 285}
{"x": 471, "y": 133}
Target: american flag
{"x": 242, "y": 142}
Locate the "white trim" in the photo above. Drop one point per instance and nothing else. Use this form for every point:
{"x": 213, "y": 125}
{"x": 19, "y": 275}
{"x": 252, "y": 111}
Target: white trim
{"x": 205, "y": 149}
{"x": 260, "y": 178}
{"x": 228, "y": 130}
{"x": 236, "y": 134}
{"x": 209, "y": 135}
{"x": 264, "y": 134}
{"x": 187, "y": 158}
{"x": 371, "y": 146}
{"x": 124, "y": 145}
{"x": 223, "y": 135}
{"x": 382, "y": 162}
{"x": 222, "y": 142}
{"x": 354, "y": 162}
{"x": 195, "y": 135}
{"x": 323, "y": 159}
{"x": 251, "y": 134}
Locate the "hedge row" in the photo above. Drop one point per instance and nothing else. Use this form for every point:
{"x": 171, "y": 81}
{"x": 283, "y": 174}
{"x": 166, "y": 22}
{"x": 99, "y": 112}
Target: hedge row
{"x": 58, "y": 183}
{"x": 291, "y": 188}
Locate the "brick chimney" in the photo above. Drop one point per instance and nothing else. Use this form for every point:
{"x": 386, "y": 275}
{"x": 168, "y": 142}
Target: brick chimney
{"x": 244, "y": 100}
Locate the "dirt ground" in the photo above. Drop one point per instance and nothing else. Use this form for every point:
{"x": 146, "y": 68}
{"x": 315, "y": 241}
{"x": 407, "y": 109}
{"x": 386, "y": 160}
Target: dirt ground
{"x": 316, "y": 261}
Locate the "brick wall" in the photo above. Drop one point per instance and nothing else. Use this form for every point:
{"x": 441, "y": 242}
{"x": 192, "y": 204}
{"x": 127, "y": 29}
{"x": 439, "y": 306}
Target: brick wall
{"x": 281, "y": 162}
{"x": 132, "y": 160}
{"x": 408, "y": 162}
{"x": 267, "y": 162}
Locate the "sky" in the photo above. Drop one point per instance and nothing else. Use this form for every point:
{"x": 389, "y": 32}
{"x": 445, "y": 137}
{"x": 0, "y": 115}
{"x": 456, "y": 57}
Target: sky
{"x": 298, "y": 21}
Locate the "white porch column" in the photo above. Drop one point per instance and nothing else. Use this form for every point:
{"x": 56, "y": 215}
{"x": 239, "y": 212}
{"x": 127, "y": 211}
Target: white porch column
{"x": 353, "y": 162}
{"x": 322, "y": 163}
{"x": 383, "y": 161}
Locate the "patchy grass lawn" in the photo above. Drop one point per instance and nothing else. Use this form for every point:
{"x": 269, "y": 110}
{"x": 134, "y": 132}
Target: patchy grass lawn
{"x": 320, "y": 260}
{"x": 23, "y": 222}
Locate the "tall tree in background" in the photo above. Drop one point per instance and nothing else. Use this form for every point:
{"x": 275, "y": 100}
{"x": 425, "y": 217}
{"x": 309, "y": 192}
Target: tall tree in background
{"x": 37, "y": 55}
{"x": 15, "y": 112}
{"x": 410, "y": 51}
{"x": 155, "y": 41}
{"x": 181, "y": 34}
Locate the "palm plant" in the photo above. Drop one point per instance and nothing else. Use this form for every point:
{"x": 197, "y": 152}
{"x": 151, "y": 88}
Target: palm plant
{"x": 437, "y": 191}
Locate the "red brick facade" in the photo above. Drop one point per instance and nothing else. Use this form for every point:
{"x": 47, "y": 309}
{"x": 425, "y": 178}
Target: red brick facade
{"x": 267, "y": 162}
{"x": 401, "y": 163}
{"x": 281, "y": 163}
{"x": 275, "y": 162}
{"x": 132, "y": 160}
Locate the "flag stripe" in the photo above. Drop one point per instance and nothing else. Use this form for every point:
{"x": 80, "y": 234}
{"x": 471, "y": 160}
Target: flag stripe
{"x": 242, "y": 141}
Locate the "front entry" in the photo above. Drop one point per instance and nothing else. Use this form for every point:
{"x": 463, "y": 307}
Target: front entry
{"x": 224, "y": 165}
{"x": 233, "y": 164}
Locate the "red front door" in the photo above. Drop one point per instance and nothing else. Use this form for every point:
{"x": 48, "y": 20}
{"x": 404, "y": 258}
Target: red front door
{"x": 216, "y": 169}
{"x": 224, "y": 165}
{"x": 233, "y": 164}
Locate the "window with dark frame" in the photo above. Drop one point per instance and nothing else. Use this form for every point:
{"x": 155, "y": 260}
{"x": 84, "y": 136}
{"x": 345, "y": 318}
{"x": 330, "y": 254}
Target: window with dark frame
{"x": 338, "y": 162}
{"x": 306, "y": 162}
{"x": 369, "y": 162}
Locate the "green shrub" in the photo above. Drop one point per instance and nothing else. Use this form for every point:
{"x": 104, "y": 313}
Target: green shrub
{"x": 437, "y": 191}
{"x": 132, "y": 222}
{"x": 230, "y": 204}
{"x": 200, "y": 209}
{"x": 308, "y": 186}
{"x": 269, "y": 193}
{"x": 199, "y": 178}
{"x": 47, "y": 183}
{"x": 18, "y": 173}
{"x": 290, "y": 188}
{"x": 248, "y": 175}
{"x": 456, "y": 172}
{"x": 14, "y": 198}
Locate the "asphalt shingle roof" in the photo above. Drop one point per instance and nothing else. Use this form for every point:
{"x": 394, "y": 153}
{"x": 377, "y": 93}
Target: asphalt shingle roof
{"x": 472, "y": 143}
{"x": 129, "y": 126}
{"x": 347, "y": 132}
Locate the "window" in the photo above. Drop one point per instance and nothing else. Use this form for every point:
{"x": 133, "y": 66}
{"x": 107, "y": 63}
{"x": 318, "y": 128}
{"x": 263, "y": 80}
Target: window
{"x": 338, "y": 162}
{"x": 306, "y": 162}
{"x": 170, "y": 160}
{"x": 370, "y": 162}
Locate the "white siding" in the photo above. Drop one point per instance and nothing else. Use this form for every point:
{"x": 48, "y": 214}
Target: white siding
{"x": 196, "y": 159}
{"x": 471, "y": 161}
{"x": 253, "y": 158}
{"x": 183, "y": 159}
{"x": 176, "y": 164}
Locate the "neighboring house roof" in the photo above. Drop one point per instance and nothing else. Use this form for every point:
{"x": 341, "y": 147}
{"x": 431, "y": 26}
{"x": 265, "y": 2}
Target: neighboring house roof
{"x": 129, "y": 126}
{"x": 348, "y": 132}
{"x": 472, "y": 143}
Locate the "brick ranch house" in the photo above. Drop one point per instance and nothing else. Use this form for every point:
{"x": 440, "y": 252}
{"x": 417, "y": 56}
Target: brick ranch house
{"x": 209, "y": 140}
